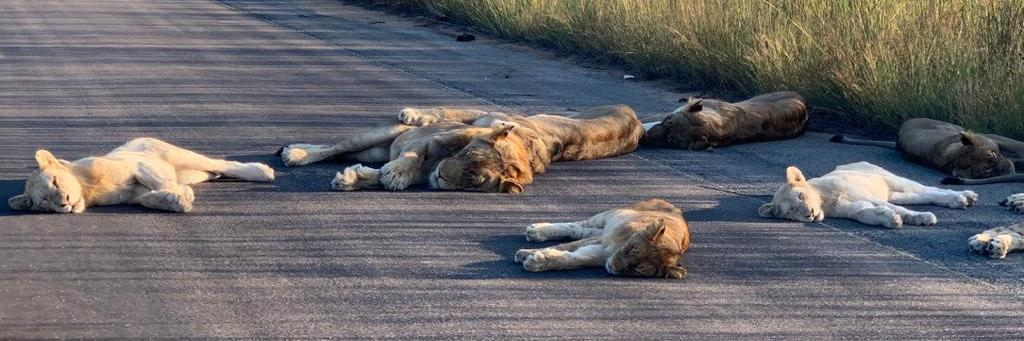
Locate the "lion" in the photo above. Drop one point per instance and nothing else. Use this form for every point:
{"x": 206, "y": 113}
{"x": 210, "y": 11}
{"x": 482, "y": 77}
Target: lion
{"x": 863, "y": 192}
{"x": 645, "y": 239}
{"x": 144, "y": 171}
{"x": 999, "y": 241}
{"x": 971, "y": 158}
{"x": 703, "y": 124}
{"x": 456, "y": 149}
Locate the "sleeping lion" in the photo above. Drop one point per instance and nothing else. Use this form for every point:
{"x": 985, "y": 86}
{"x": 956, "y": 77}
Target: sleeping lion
{"x": 863, "y": 192}
{"x": 971, "y": 158}
{"x": 456, "y": 149}
{"x": 644, "y": 239}
{"x": 144, "y": 171}
{"x": 702, "y": 124}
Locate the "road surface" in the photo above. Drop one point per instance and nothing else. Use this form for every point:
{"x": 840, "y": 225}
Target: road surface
{"x": 293, "y": 259}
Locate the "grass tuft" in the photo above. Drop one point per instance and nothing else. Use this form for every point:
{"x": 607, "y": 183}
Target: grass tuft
{"x": 879, "y": 60}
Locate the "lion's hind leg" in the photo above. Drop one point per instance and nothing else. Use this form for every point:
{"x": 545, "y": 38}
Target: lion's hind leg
{"x": 300, "y": 154}
{"x": 910, "y": 192}
{"x": 192, "y": 177}
{"x": 189, "y": 163}
{"x": 998, "y": 242}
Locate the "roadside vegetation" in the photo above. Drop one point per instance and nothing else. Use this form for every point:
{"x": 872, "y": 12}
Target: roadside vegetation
{"x": 878, "y": 60}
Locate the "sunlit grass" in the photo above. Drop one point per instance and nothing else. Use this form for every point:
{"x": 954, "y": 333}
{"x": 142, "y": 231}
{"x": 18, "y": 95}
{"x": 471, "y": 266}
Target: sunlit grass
{"x": 881, "y": 60}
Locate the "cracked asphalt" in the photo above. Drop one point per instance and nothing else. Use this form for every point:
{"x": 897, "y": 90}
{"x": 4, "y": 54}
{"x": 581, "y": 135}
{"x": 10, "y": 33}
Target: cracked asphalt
{"x": 293, "y": 259}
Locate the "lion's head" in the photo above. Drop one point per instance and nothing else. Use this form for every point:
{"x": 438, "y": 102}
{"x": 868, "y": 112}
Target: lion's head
{"x": 678, "y": 130}
{"x": 979, "y": 158}
{"x": 502, "y": 161}
{"x": 649, "y": 253}
{"x": 51, "y": 188}
{"x": 796, "y": 200}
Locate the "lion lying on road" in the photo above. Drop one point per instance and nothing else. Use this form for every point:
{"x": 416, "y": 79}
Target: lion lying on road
{"x": 999, "y": 241}
{"x": 471, "y": 149}
{"x": 863, "y": 192}
{"x": 644, "y": 239}
{"x": 971, "y": 158}
{"x": 706, "y": 123}
{"x": 144, "y": 171}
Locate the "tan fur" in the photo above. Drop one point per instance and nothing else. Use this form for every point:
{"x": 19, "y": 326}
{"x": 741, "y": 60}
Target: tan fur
{"x": 863, "y": 192}
{"x": 144, "y": 171}
{"x": 645, "y": 239}
{"x": 951, "y": 149}
{"x": 707, "y": 123}
{"x": 473, "y": 150}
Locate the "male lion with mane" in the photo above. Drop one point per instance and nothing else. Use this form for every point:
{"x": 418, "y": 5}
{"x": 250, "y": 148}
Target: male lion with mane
{"x": 455, "y": 149}
{"x": 644, "y": 239}
{"x": 863, "y": 192}
{"x": 144, "y": 171}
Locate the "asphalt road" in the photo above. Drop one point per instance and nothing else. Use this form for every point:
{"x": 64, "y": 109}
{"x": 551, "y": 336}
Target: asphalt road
{"x": 293, "y": 259}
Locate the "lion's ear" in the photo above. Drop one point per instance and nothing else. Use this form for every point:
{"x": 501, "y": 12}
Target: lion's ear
{"x": 794, "y": 176}
{"x": 501, "y": 129}
{"x": 766, "y": 210}
{"x": 675, "y": 272}
{"x": 19, "y": 202}
{"x": 511, "y": 187}
{"x": 696, "y": 104}
{"x": 46, "y": 160}
{"x": 657, "y": 229}
{"x": 967, "y": 138}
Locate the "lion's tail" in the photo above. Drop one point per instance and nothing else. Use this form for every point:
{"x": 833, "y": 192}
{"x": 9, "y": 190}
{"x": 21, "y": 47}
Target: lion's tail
{"x": 848, "y": 140}
{"x": 1017, "y": 177}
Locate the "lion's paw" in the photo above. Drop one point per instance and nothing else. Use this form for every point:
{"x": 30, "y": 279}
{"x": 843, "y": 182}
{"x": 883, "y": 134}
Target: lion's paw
{"x": 346, "y": 180}
{"x": 1014, "y": 202}
{"x": 921, "y": 219}
{"x": 180, "y": 202}
{"x": 262, "y": 172}
{"x": 416, "y": 117}
{"x": 962, "y": 200}
{"x": 994, "y": 246}
{"x": 890, "y": 219}
{"x": 297, "y": 154}
{"x": 535, "y": 262}
{"x": 396, "y": 177}
{"x": 535, "y": 232}
{"x": 972, "y": 198}
{"x": 522, "y": 254}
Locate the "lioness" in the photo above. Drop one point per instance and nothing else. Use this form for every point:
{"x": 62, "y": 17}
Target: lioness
{"x": 706, "y": 123}
{"x": 144, "y": 171}
{"x": 971, "y": 158}
{"x": 457, "y": 149}
{"x": 999, "y": 241}
{"x": 863, "y": 192}
{"x": 644, "y": 239}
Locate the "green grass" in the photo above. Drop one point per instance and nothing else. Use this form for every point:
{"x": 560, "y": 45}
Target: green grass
{"x": 879, "y": 60}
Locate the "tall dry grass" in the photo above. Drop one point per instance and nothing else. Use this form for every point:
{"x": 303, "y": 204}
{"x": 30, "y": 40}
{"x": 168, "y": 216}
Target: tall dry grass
{"x": 882, "y": 60}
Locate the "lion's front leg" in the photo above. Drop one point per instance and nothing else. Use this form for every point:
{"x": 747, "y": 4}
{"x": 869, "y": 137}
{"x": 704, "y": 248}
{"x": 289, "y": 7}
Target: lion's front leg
{"x": 554, "y": 259}
{"x": 299, "y": 154}
{"x": 868, "y": 213}
{"x": 405, "y": 170}
{"x": 998, "y": 242}
{"x": 167, "y": 200}
{"x": 427, "y": 116}
{"x": 356, "y": 177}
